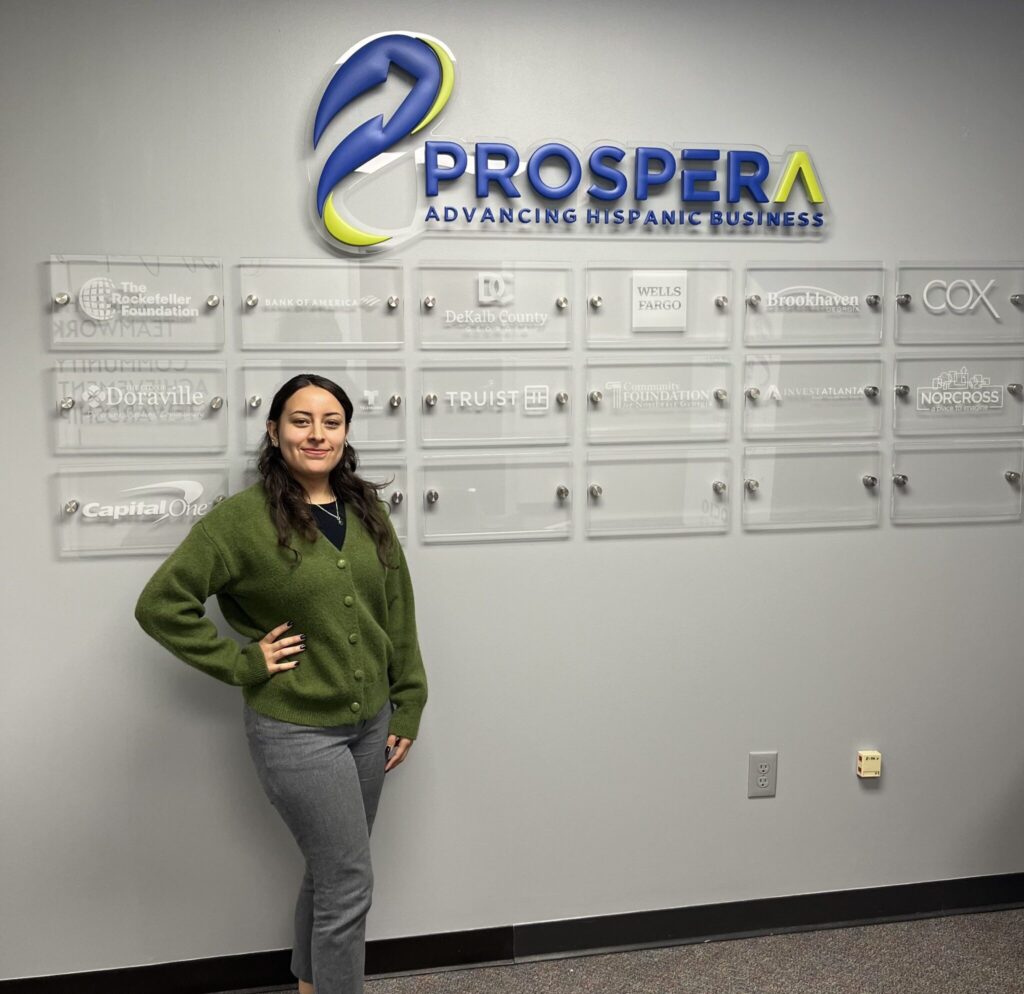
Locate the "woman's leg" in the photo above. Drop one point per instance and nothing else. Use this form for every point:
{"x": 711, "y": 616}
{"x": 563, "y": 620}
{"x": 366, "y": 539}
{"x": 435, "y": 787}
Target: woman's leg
{"x": 325, "y": 783}
{"x": 368, "y": 754}
{"x": 302, "y": 951}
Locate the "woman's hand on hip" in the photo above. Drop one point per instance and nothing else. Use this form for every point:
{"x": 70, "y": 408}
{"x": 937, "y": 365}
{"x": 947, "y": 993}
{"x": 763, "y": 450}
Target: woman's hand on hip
{"x": 276, "y": 650}
{"x": 397, "y": 749}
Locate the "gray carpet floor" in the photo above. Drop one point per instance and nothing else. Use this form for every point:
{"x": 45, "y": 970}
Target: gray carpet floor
{"x": 964, "y": 954}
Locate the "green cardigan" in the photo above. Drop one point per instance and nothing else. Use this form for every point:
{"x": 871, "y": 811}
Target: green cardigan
{"x": 358, "y": 617}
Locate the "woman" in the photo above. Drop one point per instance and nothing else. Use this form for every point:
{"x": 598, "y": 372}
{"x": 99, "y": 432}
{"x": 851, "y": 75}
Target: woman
{"x": 306, "y": 565}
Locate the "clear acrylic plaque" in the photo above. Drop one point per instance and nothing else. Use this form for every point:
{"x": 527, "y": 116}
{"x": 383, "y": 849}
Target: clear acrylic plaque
{"x": 320, "y": 304}
{"x": 132, "y": 510}
{"x": 957, "y": 482}
{"x": 812, "y": 396}
{"x": 946, "y": 395}
{"x": 657, "y": 493}
{"x": 658, "y": 400}
{"x": 495, "y": 403}
{"x": 959, "y": 304}
{"x": 494, "y": 306}
{"x": 140, "y": 405}
{"x": 136, "y": 303}
{"x": 375, "y": 387}
{"x": 496, "y": 498}
{"x": 395, "y": 493}
{"x": 819, "y": 304}
{"x": 802, "y": 486}
{"x": 639, "y": 306}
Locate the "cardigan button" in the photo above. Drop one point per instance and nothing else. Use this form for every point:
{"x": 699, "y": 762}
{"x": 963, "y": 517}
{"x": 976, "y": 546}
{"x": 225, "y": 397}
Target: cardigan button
{"x": 358, "y": 674}
{"x": 355, "y": 705}
{"x": 353, "y": 638}
{"x": 349, "y": 600}
{"x": 342, "y": 563}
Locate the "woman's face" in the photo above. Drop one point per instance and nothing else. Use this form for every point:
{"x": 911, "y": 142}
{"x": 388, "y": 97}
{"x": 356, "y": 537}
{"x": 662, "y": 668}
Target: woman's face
{"x": 311, "y": 433}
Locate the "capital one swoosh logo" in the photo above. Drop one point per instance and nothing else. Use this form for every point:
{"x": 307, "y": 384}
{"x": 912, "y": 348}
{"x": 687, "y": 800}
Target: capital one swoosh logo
{"x": 366, "y": 66}
{"x": 152, "y": 503}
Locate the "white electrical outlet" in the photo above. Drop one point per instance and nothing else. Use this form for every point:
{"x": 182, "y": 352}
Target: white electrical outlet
{"x": 762, "y": 774}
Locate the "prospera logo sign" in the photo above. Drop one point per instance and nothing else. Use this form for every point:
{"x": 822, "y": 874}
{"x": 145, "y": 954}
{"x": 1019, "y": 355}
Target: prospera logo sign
{"x": 957, "y": 391}
{"x": 811, "y": 299}
{"x": 493, "y": 185}
{"x": 184, "y": 502}
{"x": 101, "y": 299}
{"x": 430, "y": 65}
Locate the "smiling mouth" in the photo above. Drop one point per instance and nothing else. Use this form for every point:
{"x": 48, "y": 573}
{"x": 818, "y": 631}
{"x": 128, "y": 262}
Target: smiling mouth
{"x": 316, "y": 452}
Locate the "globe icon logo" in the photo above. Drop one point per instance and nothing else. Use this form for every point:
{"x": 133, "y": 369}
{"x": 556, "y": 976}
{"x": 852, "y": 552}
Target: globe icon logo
{"x": 96, "y": 298}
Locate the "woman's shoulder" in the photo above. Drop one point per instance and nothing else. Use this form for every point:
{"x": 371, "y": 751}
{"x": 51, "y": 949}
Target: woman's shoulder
{"x": 238, "y": 509}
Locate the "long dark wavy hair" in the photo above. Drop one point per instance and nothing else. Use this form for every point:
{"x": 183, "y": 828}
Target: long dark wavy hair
{"x": 289, "y": 508}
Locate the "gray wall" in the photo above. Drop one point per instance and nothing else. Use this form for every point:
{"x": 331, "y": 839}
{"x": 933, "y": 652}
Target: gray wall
{"x": 584, "y": 751}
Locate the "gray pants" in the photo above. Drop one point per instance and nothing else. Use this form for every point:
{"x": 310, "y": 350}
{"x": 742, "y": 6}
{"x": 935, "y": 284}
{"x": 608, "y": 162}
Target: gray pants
{"x": 325, "y": 784}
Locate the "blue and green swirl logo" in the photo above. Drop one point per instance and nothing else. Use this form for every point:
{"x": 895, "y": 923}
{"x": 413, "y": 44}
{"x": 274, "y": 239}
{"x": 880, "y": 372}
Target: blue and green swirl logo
{"x": 429, "y": 64}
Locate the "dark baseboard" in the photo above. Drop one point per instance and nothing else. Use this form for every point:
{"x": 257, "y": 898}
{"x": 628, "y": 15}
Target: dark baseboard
{"x": 441, "y": 951}
{"x": 201, "y": 976}
{"x": 512, "y": 943}
{"x": 768, "y": 915}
